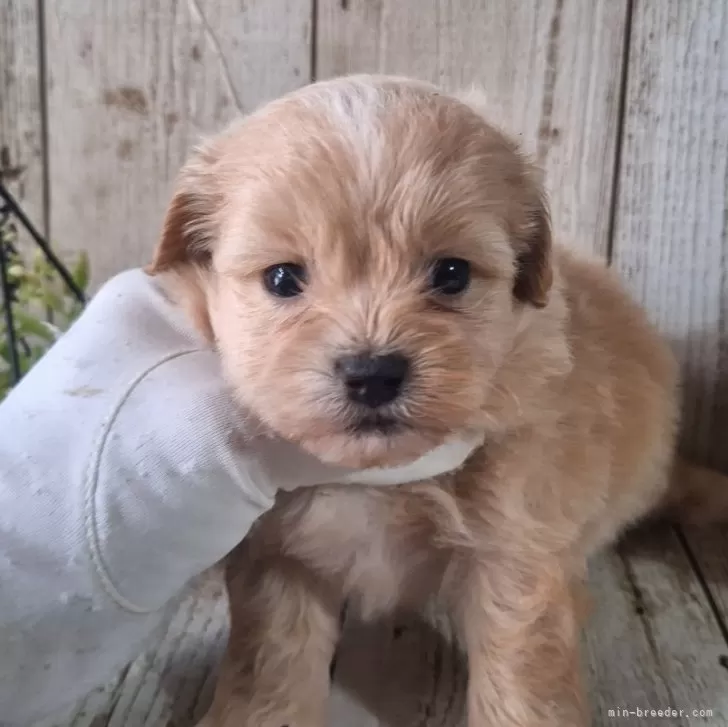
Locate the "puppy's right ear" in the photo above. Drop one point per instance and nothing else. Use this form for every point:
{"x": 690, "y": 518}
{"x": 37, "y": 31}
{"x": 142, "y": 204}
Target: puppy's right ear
{"x": 534, "y": 272}
{"x": 188, "y": 229}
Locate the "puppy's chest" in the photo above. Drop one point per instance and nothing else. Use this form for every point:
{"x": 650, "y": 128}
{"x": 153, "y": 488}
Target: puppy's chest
{"x": 382, "y": 547}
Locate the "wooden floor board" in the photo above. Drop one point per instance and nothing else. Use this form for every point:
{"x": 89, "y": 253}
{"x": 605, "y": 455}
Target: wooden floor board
{"x": 654, "y": 641}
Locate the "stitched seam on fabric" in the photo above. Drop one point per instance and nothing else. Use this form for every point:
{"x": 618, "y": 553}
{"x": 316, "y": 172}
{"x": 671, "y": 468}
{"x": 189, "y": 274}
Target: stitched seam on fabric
{"x": 91, "y": 480}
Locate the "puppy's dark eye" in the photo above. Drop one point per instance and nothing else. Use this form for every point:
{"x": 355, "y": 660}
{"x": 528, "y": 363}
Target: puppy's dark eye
{"x": 284, "y": 280}
{"x": 450, "y": 276}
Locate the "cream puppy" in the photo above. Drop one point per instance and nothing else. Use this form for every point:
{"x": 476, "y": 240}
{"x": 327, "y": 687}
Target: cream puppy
{"x": 373, "y": 260}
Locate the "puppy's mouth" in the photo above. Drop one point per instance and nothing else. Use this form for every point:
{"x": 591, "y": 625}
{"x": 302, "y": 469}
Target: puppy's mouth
{"x": 375, "y": 423}
{"x": 363, "y": 438}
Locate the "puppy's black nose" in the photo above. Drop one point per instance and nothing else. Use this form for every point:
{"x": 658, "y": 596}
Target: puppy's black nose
{"x": 373, "y": 380}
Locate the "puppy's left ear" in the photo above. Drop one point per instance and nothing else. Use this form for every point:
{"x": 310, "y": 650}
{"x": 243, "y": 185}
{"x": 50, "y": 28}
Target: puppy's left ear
{"x": 531, "y": 234}
{"x": 188, "y": 228}
{"x": 534, "y": 273}
{"x": 185, "y": 245}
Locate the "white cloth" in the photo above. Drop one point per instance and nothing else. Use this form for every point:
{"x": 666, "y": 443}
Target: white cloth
{"x": 123, "y": 474}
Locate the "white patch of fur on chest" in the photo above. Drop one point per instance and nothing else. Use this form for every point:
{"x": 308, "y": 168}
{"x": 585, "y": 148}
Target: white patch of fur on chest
{"x": 447, "y": 457}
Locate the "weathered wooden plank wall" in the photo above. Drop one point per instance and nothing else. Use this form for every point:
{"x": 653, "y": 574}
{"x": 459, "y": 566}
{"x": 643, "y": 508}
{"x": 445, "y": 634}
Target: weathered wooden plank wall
{"x": 132, "y": 86}
{"x": 671, "y": 231}
{"x": 22, "y": 112}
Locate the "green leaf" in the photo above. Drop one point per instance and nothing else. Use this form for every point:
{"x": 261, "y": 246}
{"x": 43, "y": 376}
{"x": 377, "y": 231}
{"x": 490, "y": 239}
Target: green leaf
{"x": 75, "y": 311}
{"x": 38, "y": 262}
{"x": 80, "y": 272}
{"x": 30, "y": 326}
{"x": 4, "y": 384}
{"x": 26, "y": 363}
{"x": 16, "y": 272}
{"x": 41, "y": 298}
{"x": 36, "y": 353}
{"x": 51, "y": 300}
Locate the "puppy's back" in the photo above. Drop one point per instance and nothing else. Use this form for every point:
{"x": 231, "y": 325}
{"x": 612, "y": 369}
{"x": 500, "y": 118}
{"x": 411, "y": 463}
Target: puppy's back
{"x": 624, "y": 385}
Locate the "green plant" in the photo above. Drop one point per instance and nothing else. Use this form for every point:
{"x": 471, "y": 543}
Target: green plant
{"x": 43, "y": 307}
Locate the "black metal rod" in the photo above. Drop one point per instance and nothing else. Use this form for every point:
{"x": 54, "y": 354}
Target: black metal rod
{"x": 9, "y": 318}
{"x": 14, "y": 208}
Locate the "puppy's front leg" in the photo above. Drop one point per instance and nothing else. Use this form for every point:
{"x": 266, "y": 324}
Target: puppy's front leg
{"x": 521, "y": 631}
{"x": 284, "y": 628}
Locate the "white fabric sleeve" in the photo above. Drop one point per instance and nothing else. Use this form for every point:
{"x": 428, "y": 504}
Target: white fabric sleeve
{"x": 118, "y": 484}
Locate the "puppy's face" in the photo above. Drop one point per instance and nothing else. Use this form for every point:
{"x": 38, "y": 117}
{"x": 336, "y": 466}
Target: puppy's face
{"x": 365, "y": 247}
